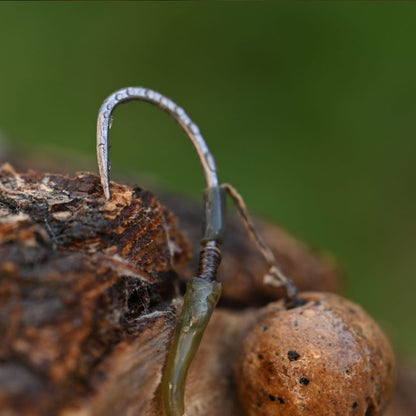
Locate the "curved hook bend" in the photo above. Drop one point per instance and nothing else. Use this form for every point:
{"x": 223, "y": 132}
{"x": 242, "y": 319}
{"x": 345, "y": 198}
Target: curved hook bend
{"x": 177, "y": 113}
{"x": 203, "y": 291}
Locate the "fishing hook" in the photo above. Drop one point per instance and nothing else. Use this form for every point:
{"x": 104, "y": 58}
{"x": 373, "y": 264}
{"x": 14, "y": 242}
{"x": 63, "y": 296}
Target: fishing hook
{"x": 177, "y": 113}
{"x": 203, "y": 291}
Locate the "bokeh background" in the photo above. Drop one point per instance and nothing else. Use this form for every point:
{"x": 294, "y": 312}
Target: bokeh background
{"x": 309, "y": 109}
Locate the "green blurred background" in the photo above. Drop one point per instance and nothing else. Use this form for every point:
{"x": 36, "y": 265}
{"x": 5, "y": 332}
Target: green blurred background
{"x": 309, "y": 109}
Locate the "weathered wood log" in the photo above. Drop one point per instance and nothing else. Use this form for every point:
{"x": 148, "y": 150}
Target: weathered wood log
{"x": 90, "y": 289}
{"x": 86, "y": 291}
{"x": 242, "y": 268}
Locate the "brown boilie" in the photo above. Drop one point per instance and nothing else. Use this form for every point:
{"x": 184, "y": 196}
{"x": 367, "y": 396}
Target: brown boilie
{"x": 325, "y": 357}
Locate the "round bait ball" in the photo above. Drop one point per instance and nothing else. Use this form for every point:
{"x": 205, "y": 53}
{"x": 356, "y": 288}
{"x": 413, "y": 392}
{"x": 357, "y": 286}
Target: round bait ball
{"x": 324, "y": 357}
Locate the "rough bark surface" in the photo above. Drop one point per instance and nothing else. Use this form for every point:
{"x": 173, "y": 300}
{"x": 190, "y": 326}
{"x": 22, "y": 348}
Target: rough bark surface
{"x": 89, "y": 292}
{"x": 86, "y": 291}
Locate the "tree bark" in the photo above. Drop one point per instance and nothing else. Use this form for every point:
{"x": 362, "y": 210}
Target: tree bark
{"x": 87, "y": 289}
{"x": 90, "y": 290}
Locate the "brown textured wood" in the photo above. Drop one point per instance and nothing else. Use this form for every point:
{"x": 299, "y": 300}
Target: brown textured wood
{"x": 88, "y": 297}
{"x": 242, "y": 268}
{"x": 86, "y": 289}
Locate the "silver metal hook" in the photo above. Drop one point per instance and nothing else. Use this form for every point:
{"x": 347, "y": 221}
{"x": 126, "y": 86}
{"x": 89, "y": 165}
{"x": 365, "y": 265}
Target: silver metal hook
{"x": 203, "y": 291}
{"x": 177, "y": 113}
